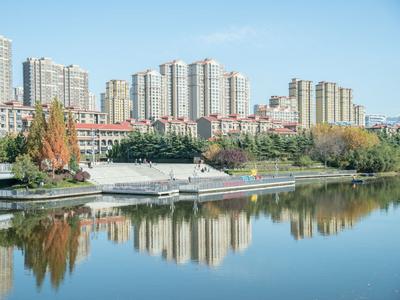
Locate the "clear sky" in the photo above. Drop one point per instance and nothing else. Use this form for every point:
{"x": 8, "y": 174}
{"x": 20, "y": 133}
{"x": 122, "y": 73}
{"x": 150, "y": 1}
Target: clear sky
{"x": 355, "y": 42}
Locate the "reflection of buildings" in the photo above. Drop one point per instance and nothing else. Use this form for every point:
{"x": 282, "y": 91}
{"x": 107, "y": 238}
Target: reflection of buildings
{"x": 6, "y": 270}
{"x": 303, "y": 223}
{"x": 204, "y": 240}
{"x": 333, "y": 225}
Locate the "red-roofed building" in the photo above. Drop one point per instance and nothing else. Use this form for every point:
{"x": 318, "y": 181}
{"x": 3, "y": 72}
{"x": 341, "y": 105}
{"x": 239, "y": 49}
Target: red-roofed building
{"x": 180, "y": 126}
{"x": 215, "y": 125}
{"x": 143, "y": 126}
{"x": 99, "y": 138}
{"x": 16, "y": 117}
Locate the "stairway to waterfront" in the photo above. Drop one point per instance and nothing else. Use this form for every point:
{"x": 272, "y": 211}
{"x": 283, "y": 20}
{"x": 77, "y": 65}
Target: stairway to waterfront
{"x": 128, "y": 172}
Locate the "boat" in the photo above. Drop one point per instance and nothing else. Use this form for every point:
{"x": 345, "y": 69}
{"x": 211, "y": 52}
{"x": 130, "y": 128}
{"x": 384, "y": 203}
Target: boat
{"x": 357, "y": 181}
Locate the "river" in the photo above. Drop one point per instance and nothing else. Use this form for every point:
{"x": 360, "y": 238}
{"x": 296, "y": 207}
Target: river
{"x": 324, "y": 240}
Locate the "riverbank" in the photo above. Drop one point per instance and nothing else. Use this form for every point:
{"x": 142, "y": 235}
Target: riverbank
{"x": 206, "y": 185}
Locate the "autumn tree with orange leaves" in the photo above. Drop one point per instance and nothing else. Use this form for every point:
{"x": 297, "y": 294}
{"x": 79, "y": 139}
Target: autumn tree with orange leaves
{"x": 75, "y": 153}
{"x": 55, "y": 142}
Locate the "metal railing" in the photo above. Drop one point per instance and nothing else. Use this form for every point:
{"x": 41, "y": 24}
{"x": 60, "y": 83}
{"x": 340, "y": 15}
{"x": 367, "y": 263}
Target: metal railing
{"x": 5, "y": 168}
{"x": 35, "y": 193}
{"x": 234, "y": 182}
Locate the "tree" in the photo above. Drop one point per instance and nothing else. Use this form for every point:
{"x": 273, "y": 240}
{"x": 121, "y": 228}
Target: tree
{"x": 37, "y": 131}
{"x": 55, "y": 149}
{"x": 212, "y": 151}
{"x": 73, "y": 146}
{"x": 231, "y": 158}
{"x": 26, "y": 171}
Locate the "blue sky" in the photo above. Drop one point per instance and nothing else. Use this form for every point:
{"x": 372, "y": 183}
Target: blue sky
{"x": 354, "y": 43}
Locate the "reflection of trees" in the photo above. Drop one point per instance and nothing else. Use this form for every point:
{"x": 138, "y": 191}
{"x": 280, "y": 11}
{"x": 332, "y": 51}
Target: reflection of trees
{"x": 49, "y": 243}
{"x": 331, "y": 207}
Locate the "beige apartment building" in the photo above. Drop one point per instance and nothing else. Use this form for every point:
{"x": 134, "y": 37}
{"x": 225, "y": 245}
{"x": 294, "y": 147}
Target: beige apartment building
{"x": 177, "y": 89}
{"x": 346, "y": 105}
{"x": 179, "y": 126}
{"x": 117, "y": 102}
{"x": 16, "y": 117}
{"x": 328, "y": 108}
{"x": 302, "y": 90}
{"x": 149, "y": 95}
{"x": 5, "y": 70}
{"x": 216, "y": 125}
{"x": 359, "y": 115}
{"x": 277, "y": 113}
{"x": 236, "y": 94}
{"x": 45, "y": 80}
{"x": 283, "y": 101}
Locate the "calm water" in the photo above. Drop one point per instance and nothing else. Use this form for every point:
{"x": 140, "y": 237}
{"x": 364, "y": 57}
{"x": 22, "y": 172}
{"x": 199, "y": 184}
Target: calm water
{"x": 321, "y": 241}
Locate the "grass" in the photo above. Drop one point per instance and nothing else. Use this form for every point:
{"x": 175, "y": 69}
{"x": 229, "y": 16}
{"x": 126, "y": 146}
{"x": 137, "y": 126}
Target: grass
{"x": 69, "y": 183}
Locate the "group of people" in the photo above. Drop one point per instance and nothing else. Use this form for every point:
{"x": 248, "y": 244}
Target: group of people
{"x": 144, "y": 161}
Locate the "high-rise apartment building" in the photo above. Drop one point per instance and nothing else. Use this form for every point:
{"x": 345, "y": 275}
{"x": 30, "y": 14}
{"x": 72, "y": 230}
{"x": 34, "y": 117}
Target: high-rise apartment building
{"x": 76, "y": 87}
{"x": 206, "y": 90}
{"x": 346, "y": 105}
{"x": 5, "y": 70}
{"x": 176, "y": 84}
{"x": 236, "y": 94}
{"x": 117, "y": 102}
{"x": 283, "y": 102}
{"x": 149, "y": 95}
{"x": 45, "y": 80}
{"x": 103, "y": 102}
{"x": 359, "y": 115}
{"x": 302, "y": 90}
{"x": 328, "y": 109}
{"x": 19, "y": 94}
{"x": 92, "y": 101}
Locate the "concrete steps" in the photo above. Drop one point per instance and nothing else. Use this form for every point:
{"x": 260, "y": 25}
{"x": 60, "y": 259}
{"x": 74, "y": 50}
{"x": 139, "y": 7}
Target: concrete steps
{"x": 125, "y": 172}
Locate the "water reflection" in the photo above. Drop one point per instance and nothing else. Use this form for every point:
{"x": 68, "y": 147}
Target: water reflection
{"x": 202, "y": 239}
{"x": 54, "y": 241}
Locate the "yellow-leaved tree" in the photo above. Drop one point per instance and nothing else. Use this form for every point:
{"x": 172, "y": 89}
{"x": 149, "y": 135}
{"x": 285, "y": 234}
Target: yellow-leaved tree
{"x": 55, "y": 149}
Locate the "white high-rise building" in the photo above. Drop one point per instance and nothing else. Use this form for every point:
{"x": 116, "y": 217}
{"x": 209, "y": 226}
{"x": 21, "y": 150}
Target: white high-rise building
{"x": 45, "y": 80}
{"x": 177, "y": 92}
{"x": 92, "y": 101}
{"x": 206, "y": 88}
{"x": 236, "y": 94}
{"x": 76, "y": 87}
{"x": 19, "y": 94}
{"x": 303, "y": 91}
{"x": 6, "y": 93}
{"x": 117, "y": 102}
{"x": 149, "y": 95}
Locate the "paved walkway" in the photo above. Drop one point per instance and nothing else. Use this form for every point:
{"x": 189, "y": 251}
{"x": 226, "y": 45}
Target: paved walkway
{"x": 129, "y": 172}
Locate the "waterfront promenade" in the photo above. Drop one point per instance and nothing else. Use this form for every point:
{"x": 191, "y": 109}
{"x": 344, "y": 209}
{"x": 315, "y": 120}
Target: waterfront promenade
{"x": 134, "y": 173}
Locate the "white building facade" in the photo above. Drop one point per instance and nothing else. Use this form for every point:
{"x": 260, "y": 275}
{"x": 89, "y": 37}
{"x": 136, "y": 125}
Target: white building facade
{"x": 177, "y": 91}
{"x": 45, "y": 80}
{"x": 5, "y": 70}
{"x": 148, "y": 95}
{"x": 236, "y": 94}
{"x": 206, "y": 90}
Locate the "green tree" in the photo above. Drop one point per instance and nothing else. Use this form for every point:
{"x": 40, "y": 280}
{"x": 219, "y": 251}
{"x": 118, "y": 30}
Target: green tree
{"x": 26, "y": 171}
{"x": 36, "y": 135}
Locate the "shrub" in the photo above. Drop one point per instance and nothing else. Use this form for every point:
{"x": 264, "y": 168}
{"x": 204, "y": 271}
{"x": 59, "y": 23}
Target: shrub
{"x": 303, "y": 161}
{"x": 82, "y": 176}
{"x": 231, "y": 158}
{"x": 27, "y": 172}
